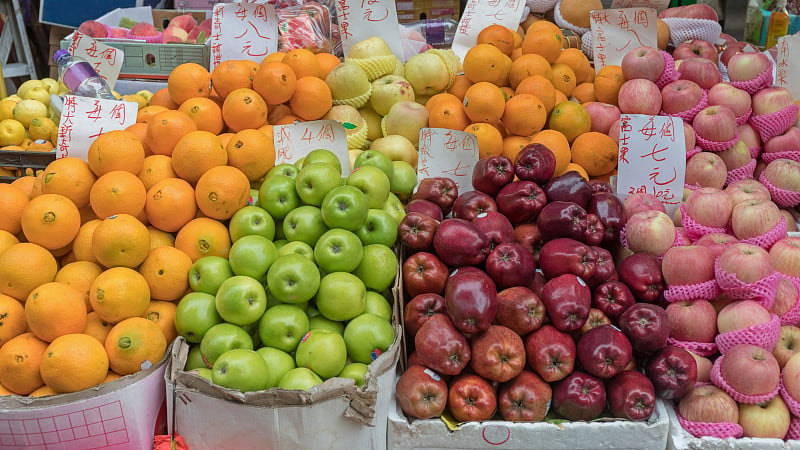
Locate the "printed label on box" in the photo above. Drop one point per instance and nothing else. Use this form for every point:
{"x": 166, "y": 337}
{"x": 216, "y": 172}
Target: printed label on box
{"x": 107, "y": 61}
{"x": 293, "y": 142}
{"x": 85, "y": 118}
{"x": 787, "y": 66}
{"x": 447, "y": 153}
{"x": 243, "y": 31}
{"x": 362, "y": 19}
{"x": 652, "y": 158}
{"x": 658, "y": 5}
{"x": 615, "y": 32}
{"x": 479, "y": 14}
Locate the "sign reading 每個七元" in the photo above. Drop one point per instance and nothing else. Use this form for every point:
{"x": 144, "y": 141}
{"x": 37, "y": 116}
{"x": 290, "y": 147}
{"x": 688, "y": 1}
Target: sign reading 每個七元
{"x": 479, "y": 14}
{"x": 447, "y": 153}
{"x": 787, "y": 64}
{"x": 658, "y": 5}
{"x": 243, "y": 31}
{"x": 294, "y": 141}
{"x": 85, "y": 118}
{"x": 652, "y": 158}
{"x": 362, "y": 19}
{"x": 106, "y": 61}
{"x": 615, "y": 32}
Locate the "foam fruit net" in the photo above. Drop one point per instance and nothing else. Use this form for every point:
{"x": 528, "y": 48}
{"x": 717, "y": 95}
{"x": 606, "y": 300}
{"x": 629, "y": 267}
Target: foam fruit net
{"x": 764, "y": 335}
{"x": 772, "y": 236}
{"x": 694, "y": 229}
{"x": 794, "y": 429}
{"x": 689, "y": 114}
{"x": 716, "y": 146}
{"x": 741, "y": 173}
{"x": 670, "y": 74}
{"x": 699, "y": 348}
{"x": 700, "y": 291}
{"x": 764, "y": 79}
{"x": 563, "y": 23}
{"x": 773, "y": 124}
{"x": 791, "y": 403}
{"x": 794, "y": 155}
{"x": 782, "y": 197}
{"x": 681, "y": 29}
{"x": 720, "y": 382}
{"x": 541, "y": 6}
{"x": 762, "y": 290}
{"x": 722, "y": 430}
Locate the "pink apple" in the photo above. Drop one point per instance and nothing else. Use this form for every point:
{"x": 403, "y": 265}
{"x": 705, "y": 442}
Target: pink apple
{"x": 639, "y": 202}
{"x": 650, "y": 231}
{"x": 688, "y": 264}
{"x": 710, "y": 206}
{"x": 767, "y": 420}
{"x": 174, "y": 34}
{"x": 184, "y": 21}
{"x": 643, "y": 62}
{"x": 749, "y": 135}
{"x": 143, "y": 29}
{"x": 789, "y": 141}
{"x": 788, "y": 345}
{"x": 695, "y": 48}
{"x": 771, "y": 99}
{"x": 791, "y": 220}
{"x": 715, "y": 123}
{"x": 750, "y": 370}
{"x": 760, "y": 166}
{"x": 733, "y": 48}
{"x": 706, "y": 169}
{"x": 785, "y": 297}
{"x": 639, "y": 96}
{"x": 692, "y": 321}
{"x": 785, "y": 255}
{"x": 602, "y": 115}
{"x": 753, "y": 218}
{"x": 689, "y": 136}
{"x": 736, "y": 156}
{"x": 613, "y": 131}
{"x": 784, "y": 174}
{"x": 700, "y": 70}
{"x": 747, "y": 189}
{"x": 740, "y": 315}
{"x": 716, "y": 242}
{"x": 725, "y": 94}
{"x": 710, "y": 404}
{"x": 704, "y": 366}
{"x": 693, "y": 11}
{"x": 680, "y": 95}
{"x": 791, "y": 377}
{"x": 748, "y": 262}
{"x": 747, "y": 66}
{"x": 93, "y": 28}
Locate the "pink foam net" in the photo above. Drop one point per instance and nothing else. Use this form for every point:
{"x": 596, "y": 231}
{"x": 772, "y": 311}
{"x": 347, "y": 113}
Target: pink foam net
{"x": 792, "y": 316}
{"x": 691, "y": 187}
{"x": 541, "y": 6}
{"x": 764, "y": 335}
{"x": 700, "y": 291}
{"x": 741, "y": 173}
{"x": 764, "y": 79}
{"x": 742, "y": 119}
{"x": 773, "y": 124}
{"x": 720, "y": 382}
{"x": 722, "y": 430}
{"x": 762, "y": 291}
{"x": 670, "y": 74}
{"x": 782, "y": 197}
{"x": 794, "y": 429}
{"x": 791, "y": 403}
{"x": 716, "y": 146}
{"x": 692, "y": 152}
{"x": 563, "y": 23}
{"x": 681, "y": 30}
{"x": 694, "y": 229}
{"x": 755, "y": 152}
{"x": 700, "y": 348}
{"x": 794, "y": 155}
{"x": 689, "y": 114}
{"x": 772, "y": 236}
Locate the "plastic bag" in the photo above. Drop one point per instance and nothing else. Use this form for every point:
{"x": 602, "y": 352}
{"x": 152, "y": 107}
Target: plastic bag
{"x": 306, "y": 25}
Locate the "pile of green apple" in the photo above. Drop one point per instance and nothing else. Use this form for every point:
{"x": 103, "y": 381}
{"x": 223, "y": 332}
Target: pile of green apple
{"x": 302, "y": 296}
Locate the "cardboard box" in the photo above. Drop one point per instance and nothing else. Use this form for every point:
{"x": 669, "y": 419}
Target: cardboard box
{"x": 122, "y": 414}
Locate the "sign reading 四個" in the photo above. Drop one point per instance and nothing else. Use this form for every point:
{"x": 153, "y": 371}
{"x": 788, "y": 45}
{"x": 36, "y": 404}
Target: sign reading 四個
{"x": 295, "y": 141}
{"x": 243, "y": 31}
{"x": 447, "y": 153}
{"x": 615, "y": 32}
{"x": 85, "y": 118}
{"x": 362, "y": 19}
{"x": 479, "y": 14}
{"x": 106, "y": 61}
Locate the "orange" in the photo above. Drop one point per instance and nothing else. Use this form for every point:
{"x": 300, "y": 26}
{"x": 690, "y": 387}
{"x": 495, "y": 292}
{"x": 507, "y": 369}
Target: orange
{"x": 163, "y": 315}
{"x": 12, "y": 318}
{"x": 230, "y": 75}
{"x": 244, "y": 108}
{"x": 541, "y": 87}
{"x": 558, "y": 144}
{"x": 161, "y": 98}
{"x": 524, "y": 115}
{"x": 564, "y": 78}
{"x": 25, "y": 183}
{"x": 446, "y": 111}
{"x": 4, "y": 391}
{"x": 499, "y": 36}
{"x": 70, "y": 177}
{"x": 278, "y": 112}
{"x": 222, "y": 191}
{"x": 517, "y": 52}
{"x": 36, "y": 190}
{"x": 134, "y": 344}
{"x": 121, "y": 240}
{"x": 225, "y": 137}
{"x": 527, "y": 65}
{"x": 166, "y": 270}
{"x": 513, "y": 144}
{"x": 74, "y": 362}
{"x": 490, "y": 141}
{"x": 145, "y": 114}
{"x": 484, "y": 62}
{"x": 504, "y": 77}
{"x": 51, "y": 220}
{"x": 275, "y": 82}
{"x": 459, "y": 86}
{"x": 273, "y": 57}
{"x": 119, "y": 293}
{"x": 584, "y": 93}
{"x": 43, "y": 391}
{"x": 544, "y": 38}
{"x": 312, "y": 98}
{"x": 578, "y": 62}
{"x": 571, "y": 119}
{"x": 82, "y": 244}
{"x": 7, "y": 240}
{"x": 288, "y": 119}
{"x": 166, "y": 129}
{"x": 197, "y": 152}
{"x": 20, "y": 360}
{"x": 607, "y": 82}
{"x": 205, "y": 113}
{"x": 572, "y": 167}
{"x": 79, "y": 274}
{"x": 97, "y": 327}
{"x": 140, "y": 131}
{"x": 560, "y": 97}
{"x": 203, "y": 237}
{"x": 170, "y": 204}
{"x": 118, "y": 150}
{"x": 327, "y": 61}
{"x": 118, "y": 192}
{"x": 507, "y": 91}
{"x": 252, "y": 152}
{"x": 12, "y": 202}
{"x": 303, "y": 63}
{"x": 188, "y": 80}
{"x": 111, "y": 376}
{"x": 484, "y": 102}
{"x": 159, "y": 238}
{"x": 156, "y": 168}
{"x": 55, "y": 309}
{"x": 595, "y": 152}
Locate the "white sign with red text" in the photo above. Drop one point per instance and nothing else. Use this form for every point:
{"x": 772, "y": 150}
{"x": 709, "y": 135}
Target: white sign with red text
{"x": 362, "y": 19}
{"x": 787, "y": 64}
{"x": 85, "y": 118}
{"x": 479, "y": 14}
{"x": 243, "y": 31}
{"x": 447, "y": 153}
{"x": 295, "y": 141}
{"x": 106, "y": 61}
{"x": 615, "y": 32}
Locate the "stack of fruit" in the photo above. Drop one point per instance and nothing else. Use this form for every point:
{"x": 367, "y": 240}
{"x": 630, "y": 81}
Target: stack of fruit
{"x": 182, "y": 28}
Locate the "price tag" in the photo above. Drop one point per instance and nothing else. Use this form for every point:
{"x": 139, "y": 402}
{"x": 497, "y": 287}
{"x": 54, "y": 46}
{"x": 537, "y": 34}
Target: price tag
{"x": 362, "y": 19}
{"x": 243, "y": 31}
{"x": 787, "y": 64}
{"x": 658, "y": 5}
{"x": 85, "y": 118}
{"x": 295, "y": 141}
{"x": 447, "y": 153}
{"x": 479, "y": 14}
{"x": 615, "y": 32}
{"x": 652, "y": 158}
{"x": 107, "y": 61}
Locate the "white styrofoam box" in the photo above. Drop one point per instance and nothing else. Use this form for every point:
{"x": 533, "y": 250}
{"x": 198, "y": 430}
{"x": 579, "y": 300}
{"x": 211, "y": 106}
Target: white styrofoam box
{"x": 680, "y": 439}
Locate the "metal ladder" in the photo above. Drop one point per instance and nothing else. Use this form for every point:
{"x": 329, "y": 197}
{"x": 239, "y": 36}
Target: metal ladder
{"x": 14, "y": 34}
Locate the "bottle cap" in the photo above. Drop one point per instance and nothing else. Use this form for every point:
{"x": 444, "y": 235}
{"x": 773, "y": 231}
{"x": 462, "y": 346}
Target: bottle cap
{"x": 58, "y": 54}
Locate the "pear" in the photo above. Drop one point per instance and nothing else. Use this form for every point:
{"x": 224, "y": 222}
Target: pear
{"x": 396, "y": 147}
{"x": 427, "y": 74}
{"x": 405, "y": 118}
{"x": 388, "y": 90}
{"x": 349, "y": 85}
{"x": 369, "y": 48}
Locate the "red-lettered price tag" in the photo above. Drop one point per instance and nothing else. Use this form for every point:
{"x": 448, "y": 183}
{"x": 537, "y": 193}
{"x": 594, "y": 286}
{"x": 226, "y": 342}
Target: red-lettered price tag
{"x": 447, "y": 153}
{"x": 787, "y": 64}
{"x": 243, "y": 31}
{"x": 362, "y": 19}
{"x": 84, "y": 118}
{"x": 479, "y": 14}
{"x": 293, "y": 142}
{"x": 107, "y": 61}
{"x": 615, "y": 32}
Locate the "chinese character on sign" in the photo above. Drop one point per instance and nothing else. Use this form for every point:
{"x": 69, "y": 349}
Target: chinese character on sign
{"x": 447, "y": 153}
{"x": 295, "y": 141}
{"x": 243, "y": 31}
{"x": 105, "y": 60}
{"x": 362, "y": 19}
{"x": 479, "y": 14}
{"x": 617, "y": 31}
{"x": 85, "y": 118}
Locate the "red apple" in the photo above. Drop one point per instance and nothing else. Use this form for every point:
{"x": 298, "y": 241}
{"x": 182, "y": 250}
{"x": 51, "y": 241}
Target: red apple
{"x": 471, "y": 398}
{"x": 579, "y": 397}
{"x": 639, "y": 96}
{"x": 673, "y": 372}
{"x": 709, "y": 404}
{"x": 641, "y": 201}
{"x": 603, "y": 115}
{"x": 695, "y": 48}
{"x": 710, "y": 206}
{"x": 753, "y": 218}
{"x": 734, "y": 48}
{"x": 421, "y": 393}
{"x": 185, "y": 21}
{"x": 650, "y": 231}
{"x": 787, "y": 346}
{"x": 424, "y": 272}
{"x": 597, "y": 318}
{"x": 715, "y": 123}
{"x": 643, "y": 62}
{"x": 420, "y": 309}
{"x": 740, "y": 315}
{"x": 716, "y": 242}
{"x": 791, "y": 220}
{"x": 784, "y": 174}
{"x": 747, "y": 66}
{"x": 692, "y": 321}
{"x": 750, "y": 369}
{"x": 425, "y": 207}
{"x": 550, "y": 353}
{"x": 612, "y": 298}
{"x": 604, "y": 351}
{"x": 734, "y": 98}
{"x": 526, "y": 398}
{"x": 631, "y": 395}
{"x": 567, "y": 300}
{"x": 702, "y": 71}
{"x": 689, "y": 136}
{"x": 706, "y": 169}
{"x": 680, "y": 95}
{"x": 498, "y": 354}
{"x": 441, "y": 347}
{"x": 143, "y": 29}
{"x": 93, "y": 28}
{"x": 768, "y": 420}
{"x": 642, "y": 273}
{"x": 747, "y": 189}
{"x": 647, "y": 327}
{"x": 519, "y": 309}
{"x": 771, "y": 99}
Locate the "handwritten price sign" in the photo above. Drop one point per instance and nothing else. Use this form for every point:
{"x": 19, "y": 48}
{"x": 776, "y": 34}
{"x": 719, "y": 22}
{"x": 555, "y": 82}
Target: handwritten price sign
{"x": 658, "y": 5}
{"x": 243, "y": 31}
{"x": 295, "y": 141}
{"x": 447, "y": 153}
{"x": 107, "y": 61}
{"x": 84, "y": 118}
{"x": 362, "y": 19}
{"x": 787, "y": 67}
{"x": 652, "y": 158}
{"x": 479, "y": 14}
{"x": 615, "y": 32}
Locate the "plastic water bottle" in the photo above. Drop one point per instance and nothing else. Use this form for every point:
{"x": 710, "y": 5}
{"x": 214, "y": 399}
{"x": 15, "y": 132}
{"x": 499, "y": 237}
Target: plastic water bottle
{"x": 80, "y": 77}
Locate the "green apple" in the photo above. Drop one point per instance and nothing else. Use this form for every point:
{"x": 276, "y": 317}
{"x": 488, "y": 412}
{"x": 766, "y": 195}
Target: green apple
{"x": 325, "y": 156}
{"x": 378, "y": 305}
{"x": 278, "y": 363}
{"x": 208, "y": 273}
{"x": 378, "y": 267}
{"x": 338, "y": 250}
{"x": 240, "y": 369}
{"x": 378, "y": 228}
{"x": 195, "y": 314}
{"x": 282, "y": 327}
{"x": 279, "y": 236}
{"x": 280, "y": 242}
{"x": 289, "y": 170}
{"x": 322, "y": 351}
{"x": 404, "y": 180}
{"x": 356, "y": 372}
{"x": 373, "y": 182}
{"x": 194, "y": 359}
{"x": 293, "y": 279}
{"x": 322, "y": 322}
{"x": 241, "y": 300}
{"x": 304, "y": 224}
{"x": 299, "y": 163}
{"x": 299, "y": 379}
{"x": 367, "y": 337}
{"x": 252, "y": 256}
{"x": 206, "y": 373}
{"x": 341, "y": 296}
{"x": 395, "y": 208}
{"x": 251, "y": 220}
{"x": 297, "y": 248}
{"x": 221, "y": 338}
{"x": 315, "y": 180}
{"x": 252, "y": 330}
{"x": 344, "y": 207}
{"x": 278, "y": 195}
{"x": 311, "y": 311}
{"x": 376, "y": 159}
